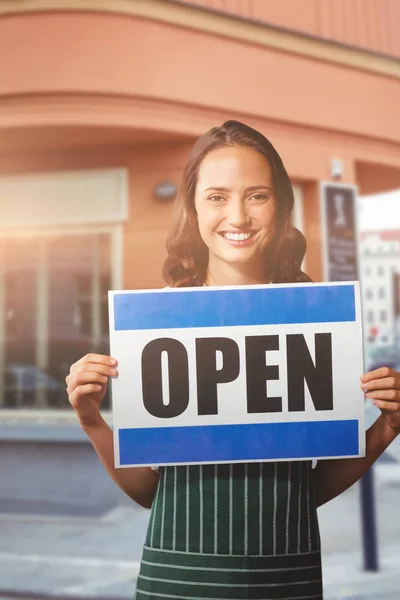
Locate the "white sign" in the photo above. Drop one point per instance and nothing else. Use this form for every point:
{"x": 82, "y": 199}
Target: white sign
{"x": 251, "y": 373}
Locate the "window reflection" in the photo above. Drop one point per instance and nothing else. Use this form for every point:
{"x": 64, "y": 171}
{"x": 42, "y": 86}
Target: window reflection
{"x": 53, "y": 310}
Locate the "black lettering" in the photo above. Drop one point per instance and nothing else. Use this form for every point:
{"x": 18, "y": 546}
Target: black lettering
{"x": 152, "y": 378}
{"x": 301, "y": 369}
{"x": 258, "y": 373}
{"x": 208, "y": 376}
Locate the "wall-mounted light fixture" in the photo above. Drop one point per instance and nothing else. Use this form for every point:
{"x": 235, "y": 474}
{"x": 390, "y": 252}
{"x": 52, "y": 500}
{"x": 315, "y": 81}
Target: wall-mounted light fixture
{"x": 336, "y": 168}
{"x": 165, "y": 191}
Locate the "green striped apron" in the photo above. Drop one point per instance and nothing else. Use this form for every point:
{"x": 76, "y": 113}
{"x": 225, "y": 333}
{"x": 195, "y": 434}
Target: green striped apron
{"x": 233, "y": 531}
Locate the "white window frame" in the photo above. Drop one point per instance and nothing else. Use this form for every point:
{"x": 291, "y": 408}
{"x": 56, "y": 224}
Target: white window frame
{"x": 107, "y": 219}
{"x": 116, "y": 267}
{"x": 72, "y": 198}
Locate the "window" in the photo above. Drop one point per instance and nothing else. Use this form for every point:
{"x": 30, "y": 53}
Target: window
{"x": 370, "y": 316}
{"x": 383, "y": 316}
{"x": 381, "y": 270}
{"x": 382, "y": 292}
{"x": 369, "y": 293}
{"x": 54, "y": 307}
{"x": 367, "y": 271}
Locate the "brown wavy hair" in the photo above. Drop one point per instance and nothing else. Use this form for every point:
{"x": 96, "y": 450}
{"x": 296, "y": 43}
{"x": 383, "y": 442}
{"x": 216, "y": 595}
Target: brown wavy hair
{"x": 186, "y": 264}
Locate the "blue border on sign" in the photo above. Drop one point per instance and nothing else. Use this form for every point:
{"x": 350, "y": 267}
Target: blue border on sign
{"x": 242, "y": 442}
{"x": 234, "y": 307}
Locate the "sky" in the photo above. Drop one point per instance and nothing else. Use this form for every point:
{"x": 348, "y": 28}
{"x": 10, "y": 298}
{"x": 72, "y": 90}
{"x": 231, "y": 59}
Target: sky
{"x": 379, "y": 212}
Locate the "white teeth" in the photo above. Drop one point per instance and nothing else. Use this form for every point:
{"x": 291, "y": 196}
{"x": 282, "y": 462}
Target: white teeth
{"x": 237, "y": 237}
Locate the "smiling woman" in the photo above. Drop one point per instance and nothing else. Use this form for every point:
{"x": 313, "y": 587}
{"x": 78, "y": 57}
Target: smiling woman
{"x": 234, "y": 209}
{"x": 243, "y": 530}
{"x": 236, "y": 220}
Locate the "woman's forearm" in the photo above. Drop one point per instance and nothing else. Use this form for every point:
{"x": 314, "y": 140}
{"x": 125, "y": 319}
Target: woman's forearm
{"x": 332, "y": 477}
{"x": 139, "y": 483}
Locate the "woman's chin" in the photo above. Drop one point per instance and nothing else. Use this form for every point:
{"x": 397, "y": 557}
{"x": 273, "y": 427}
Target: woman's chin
{"x": 242, "y": 260}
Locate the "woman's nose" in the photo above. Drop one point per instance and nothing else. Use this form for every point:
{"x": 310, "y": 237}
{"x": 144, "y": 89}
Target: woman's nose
{"x": 237, "y": 215}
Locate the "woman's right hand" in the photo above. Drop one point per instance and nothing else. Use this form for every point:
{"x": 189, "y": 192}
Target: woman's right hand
{"x": 87, "y": 385}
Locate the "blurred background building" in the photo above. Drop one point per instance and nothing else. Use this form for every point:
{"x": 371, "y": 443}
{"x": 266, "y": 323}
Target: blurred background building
{"x": 100, "y": 104}
{"x": 380, "y": 252}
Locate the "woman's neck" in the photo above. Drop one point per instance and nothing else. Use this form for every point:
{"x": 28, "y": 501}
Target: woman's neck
{"x": 229, "y": 274}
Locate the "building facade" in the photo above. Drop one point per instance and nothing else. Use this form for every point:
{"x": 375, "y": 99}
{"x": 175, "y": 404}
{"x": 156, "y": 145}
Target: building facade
{"x": 380, "y": 272}
{"x": 100, "y": 103}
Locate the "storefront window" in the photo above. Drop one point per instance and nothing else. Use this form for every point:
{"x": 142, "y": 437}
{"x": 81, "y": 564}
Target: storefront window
{"x": 53, "y": 310}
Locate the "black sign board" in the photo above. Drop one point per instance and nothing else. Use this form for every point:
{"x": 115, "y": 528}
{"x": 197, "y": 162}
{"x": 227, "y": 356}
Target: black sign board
{"x": 339, "y": 222}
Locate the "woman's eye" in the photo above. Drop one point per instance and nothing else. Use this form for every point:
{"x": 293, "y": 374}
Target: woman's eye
{"x": 260, "y": 197}
{"x": 216, "y": 199}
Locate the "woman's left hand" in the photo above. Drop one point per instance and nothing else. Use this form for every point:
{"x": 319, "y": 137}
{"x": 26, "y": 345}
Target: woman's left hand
{"x": 382, "y": 386}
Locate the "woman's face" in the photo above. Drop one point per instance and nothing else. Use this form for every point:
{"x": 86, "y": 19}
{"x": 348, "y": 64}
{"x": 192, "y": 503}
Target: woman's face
{"x": 236, "y": 207}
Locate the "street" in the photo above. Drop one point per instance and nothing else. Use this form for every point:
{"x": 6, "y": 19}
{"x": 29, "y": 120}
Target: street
{"x": 88, "y": 543}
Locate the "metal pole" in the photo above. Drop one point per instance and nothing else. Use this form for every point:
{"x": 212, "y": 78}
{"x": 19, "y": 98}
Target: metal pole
{"x": 368, "y": 520}
{"x": 367, "y": 499}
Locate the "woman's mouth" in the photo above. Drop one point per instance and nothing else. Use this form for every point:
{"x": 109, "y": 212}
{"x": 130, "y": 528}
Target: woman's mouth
{"x": 237, "y": 238}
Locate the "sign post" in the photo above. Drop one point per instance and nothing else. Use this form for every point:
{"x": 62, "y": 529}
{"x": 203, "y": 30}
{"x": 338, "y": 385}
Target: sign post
{"x": 214, "y": 375}
{"x": 340, "y": 258}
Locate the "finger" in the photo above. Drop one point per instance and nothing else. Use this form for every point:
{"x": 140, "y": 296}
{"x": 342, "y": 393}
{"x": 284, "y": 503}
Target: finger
{"x": 97, "y": 359}
{"x": 382, "y": 384}
{"x": 91, "y": 358}
{"x": 380, "y": 373}
{"x": 390, "y": 406}
{"x": 104, "y": 367}
{"x": 86, "y": 377}
{"x": 105, "y": 370}
{"x": 387, "y": 395}
{"x": 83, "y": 390}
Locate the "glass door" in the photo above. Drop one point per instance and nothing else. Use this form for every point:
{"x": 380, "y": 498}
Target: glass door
{"x": 53, "y": 310}
{"x": 18, "y": 331}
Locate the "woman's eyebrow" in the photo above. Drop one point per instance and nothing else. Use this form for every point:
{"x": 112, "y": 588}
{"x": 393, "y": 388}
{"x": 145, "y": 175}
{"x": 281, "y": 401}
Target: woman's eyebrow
{"x": 249, "y": 189}
{"x": 217, "y": 189}
{"x": 259, "y": 187}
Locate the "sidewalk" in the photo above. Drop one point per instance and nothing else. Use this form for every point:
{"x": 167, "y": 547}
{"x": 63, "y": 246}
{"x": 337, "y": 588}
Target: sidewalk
{"x": 344, "y": 577}
{"x": 79, "y": 557}
{"x": 78, "y": 546}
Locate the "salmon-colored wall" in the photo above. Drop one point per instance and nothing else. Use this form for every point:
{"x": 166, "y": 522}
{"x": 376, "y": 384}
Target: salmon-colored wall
{"x": 124, "y": 74}
{"x": 149, "y": 220}
{"x": 312, "y": 229}
{"x": 121, "y": 56}
{"x": 369, "y": 24}
{"x": 370, "y": 177}
{"x": 145, "y": 231}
